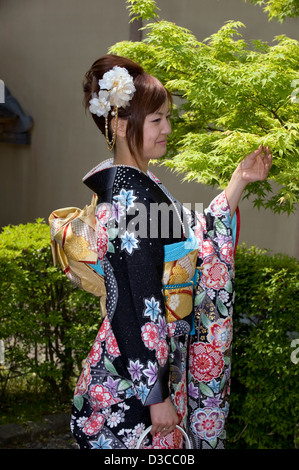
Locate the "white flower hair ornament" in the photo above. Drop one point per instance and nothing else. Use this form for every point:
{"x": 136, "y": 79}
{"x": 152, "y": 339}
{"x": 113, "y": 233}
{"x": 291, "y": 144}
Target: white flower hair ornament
{"x": 116, "y": 91}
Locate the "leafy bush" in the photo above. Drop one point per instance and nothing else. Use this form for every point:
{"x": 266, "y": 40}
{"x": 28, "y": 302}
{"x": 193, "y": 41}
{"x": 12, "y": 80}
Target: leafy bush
{"x": 265, "y": 394}
{"x": 230, "y": 98}
{"x": 47, "y": 325}
{"x": 279, "y": 9}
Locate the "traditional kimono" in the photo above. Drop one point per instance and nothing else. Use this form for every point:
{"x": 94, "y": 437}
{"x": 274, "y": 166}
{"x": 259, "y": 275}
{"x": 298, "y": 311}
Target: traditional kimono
{"x": 167, "y": 284}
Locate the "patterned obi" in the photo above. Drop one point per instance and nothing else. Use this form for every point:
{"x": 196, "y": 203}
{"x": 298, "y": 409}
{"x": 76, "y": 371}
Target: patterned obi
{"x": 179, "y": 277}
{"x": 74, "y": 246}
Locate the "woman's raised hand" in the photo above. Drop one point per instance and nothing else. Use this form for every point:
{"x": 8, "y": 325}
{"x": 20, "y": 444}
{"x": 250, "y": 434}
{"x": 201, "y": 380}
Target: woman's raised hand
{"x": 256, "y": 165}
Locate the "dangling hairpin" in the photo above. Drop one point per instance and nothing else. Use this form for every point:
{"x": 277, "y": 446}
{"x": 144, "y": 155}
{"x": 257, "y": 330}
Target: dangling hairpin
{"x": 116, "y": 90}
{"x": 111, "y": 143}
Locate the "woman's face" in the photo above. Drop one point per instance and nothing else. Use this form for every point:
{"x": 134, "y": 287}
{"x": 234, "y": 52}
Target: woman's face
{"x": 156, "y": 128}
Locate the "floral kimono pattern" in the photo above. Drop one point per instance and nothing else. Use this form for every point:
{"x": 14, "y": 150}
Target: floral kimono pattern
{"x": 152, "y": 343}
{"x": 211, "y": 338}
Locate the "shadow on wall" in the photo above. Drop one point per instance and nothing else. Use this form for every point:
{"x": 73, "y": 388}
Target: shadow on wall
{"x": 15, "y": 125}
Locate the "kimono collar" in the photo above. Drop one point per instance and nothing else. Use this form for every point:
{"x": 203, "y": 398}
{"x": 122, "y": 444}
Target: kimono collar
{"x": 101, "y": 177}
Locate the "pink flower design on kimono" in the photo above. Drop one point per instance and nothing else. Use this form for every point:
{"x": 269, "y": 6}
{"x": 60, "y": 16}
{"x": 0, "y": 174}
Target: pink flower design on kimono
{"x": 100, "y": 397}
{"x": 207, "y": 248}
{"x": 103, "y": 213}
{"x": 173, "y": 440}
{"x": 95, "y": 353}
{"x": 180, "y": 400}
{"x": 104, "y": 330}
{"x": 102, "y": 241}
{"x": 208, "y": 423}
{"x": 150, "y": 335}
{"x": 105, "y": 334}
{"x": 227, "y": 252}
{"x": 94, "y": 424}
{"x": 84, "y": 380}
{"x": 199, "y": 229}
{"x": 214, "y": 273}
{"x": 170, "y": 329}
{"x": 220, "y": 334}
{"x": 112, "y": 346}
{"x": 219, "y": 205}
{"x": 206, "y": 363}
{"x": 162, "y": 352}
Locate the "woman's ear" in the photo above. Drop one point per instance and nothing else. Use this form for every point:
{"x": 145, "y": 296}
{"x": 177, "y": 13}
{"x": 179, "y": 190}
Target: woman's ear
{"x": 121, "y": 127}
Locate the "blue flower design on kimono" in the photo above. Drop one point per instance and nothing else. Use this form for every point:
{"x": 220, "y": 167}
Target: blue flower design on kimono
{"x": 152, "y": 308}
{"x": 139, "y": 358}
{"x": 126, "y": 198}
{"x": 129, "y": 242}
{"x": 101, "y": 443}
{"x": 143, "y": 392}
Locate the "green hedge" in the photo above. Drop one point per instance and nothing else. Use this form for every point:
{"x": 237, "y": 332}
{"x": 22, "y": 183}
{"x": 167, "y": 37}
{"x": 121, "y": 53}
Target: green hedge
{"x": 265, "y": 392}
{"x": 48, "y": 327}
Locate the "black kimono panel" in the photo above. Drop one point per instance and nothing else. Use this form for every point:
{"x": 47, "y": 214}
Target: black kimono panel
{"x": 147, "y": 348}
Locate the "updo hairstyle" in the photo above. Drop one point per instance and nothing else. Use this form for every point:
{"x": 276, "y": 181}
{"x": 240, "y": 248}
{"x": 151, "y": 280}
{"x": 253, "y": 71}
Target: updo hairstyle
{"x": 149, "y": 96}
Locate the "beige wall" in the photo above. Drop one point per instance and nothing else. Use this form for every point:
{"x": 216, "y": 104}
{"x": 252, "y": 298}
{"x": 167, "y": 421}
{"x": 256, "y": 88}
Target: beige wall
{"x": 45, "y": 49}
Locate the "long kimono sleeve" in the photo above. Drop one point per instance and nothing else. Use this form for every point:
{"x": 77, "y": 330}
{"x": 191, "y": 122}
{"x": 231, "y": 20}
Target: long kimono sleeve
{"x": 129, "y": 365}
{"x": 138, "y": 320}
{"x": 215, "y": 229}
{"x": 210, "y": 343}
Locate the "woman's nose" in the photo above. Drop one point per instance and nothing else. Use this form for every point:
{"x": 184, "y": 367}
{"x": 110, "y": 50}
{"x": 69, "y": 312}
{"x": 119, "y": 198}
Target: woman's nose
{"x": 167, "y": 127}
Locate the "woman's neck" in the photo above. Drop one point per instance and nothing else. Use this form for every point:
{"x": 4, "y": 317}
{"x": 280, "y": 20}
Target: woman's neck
{"x": 126, "y": 158}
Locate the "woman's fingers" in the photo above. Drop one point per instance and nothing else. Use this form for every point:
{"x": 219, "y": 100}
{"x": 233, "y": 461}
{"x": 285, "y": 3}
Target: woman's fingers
{"x": 164, "y": 417}
{"x": 163, "y": 430}
{"x": 256, "y": 165}
{"x": 166, "y": 430}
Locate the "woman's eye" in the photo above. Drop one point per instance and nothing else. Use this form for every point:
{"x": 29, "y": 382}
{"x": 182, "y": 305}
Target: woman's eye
{"x": 160, "y": 119}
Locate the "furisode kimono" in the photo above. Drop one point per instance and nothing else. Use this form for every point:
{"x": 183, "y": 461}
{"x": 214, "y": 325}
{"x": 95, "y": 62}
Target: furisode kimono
{"x": 166, "y": 298}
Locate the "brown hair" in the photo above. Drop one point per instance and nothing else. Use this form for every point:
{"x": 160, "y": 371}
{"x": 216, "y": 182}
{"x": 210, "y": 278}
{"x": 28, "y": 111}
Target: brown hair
{"x": 149, "y": 96}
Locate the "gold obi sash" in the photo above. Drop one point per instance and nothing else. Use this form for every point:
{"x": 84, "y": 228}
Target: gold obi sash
{"x": 74, "y": 246}
{"x": 179, "y": 276}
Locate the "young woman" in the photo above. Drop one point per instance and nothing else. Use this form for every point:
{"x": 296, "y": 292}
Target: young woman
{"x": 159, "y": 358}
